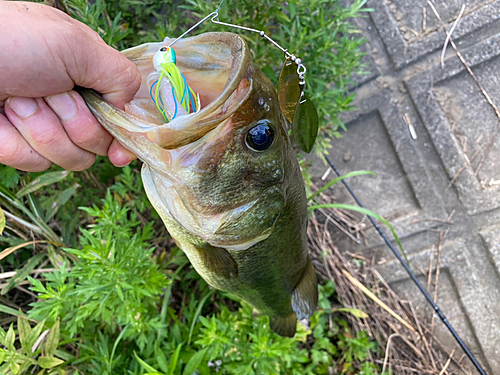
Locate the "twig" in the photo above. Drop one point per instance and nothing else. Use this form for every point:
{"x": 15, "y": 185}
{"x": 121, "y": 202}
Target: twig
{"x": 448, "y": 35}
{"x": 464, "y": 166}
{"x": 493, "y": 139}
{"x": 450, "y": 216}
{"x": 377, "y": 300}
{"x": 26, "y": 291}
{"x": 387, "y": 350}
{"x": 325, "y": 175}
{"x": 426, "y": 344}
{"x": 330, "y": 219}
{"x": 447, "y": 362}
{"x": 411, "y": 128}
{"x": 10, "y": 250}
{"x": 357, "y": 256}
{"x": 466, "y": 65}
{"x": 433, "y": 219}
{"x": 8, "y": 275}
{"x": 483, "y": 91}
{"x": 39, "y": 340}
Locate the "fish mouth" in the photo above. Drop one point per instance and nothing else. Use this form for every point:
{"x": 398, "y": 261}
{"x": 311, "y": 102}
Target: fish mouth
{"x": 217, "y": 67}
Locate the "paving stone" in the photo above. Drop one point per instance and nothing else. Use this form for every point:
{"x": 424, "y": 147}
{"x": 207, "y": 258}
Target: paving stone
{"x": 469, "y": 294}
{"x": 453, "y": 122}
{"x": 400, "y": 25}
{"x": 491, "y": 238}
{"x": 378, "y": 140}
{"x": 460, "y": 121}
{"x": 370, "y": 70}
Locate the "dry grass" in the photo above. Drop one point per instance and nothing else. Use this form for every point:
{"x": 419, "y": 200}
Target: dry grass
{"x": 406, "y": 344}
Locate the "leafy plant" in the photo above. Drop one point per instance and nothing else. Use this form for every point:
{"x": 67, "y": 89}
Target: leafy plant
{"x": 37, "y": 348}
{"x": 114, "y": 301}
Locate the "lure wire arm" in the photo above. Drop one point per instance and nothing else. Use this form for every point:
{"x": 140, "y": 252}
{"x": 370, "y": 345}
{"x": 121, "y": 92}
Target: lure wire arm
{"x": 193, "y": 27}
{"x": 412, "y": 276}
{"x": 301, "y": 69}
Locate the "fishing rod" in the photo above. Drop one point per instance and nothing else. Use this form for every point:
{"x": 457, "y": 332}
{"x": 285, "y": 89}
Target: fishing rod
{"x": 412, "y": 275}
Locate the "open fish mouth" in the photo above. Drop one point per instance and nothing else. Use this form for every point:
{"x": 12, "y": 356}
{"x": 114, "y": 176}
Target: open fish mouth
{"x": 216, "y": 66}
{"x": 202, "y": 169}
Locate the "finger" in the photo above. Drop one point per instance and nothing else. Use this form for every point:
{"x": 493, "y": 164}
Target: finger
{"x": 16, "y": 152}
{"x": 46, "y": 52}
{"x": 79, "y": 123}
{"x": 95, "y": 65}
{"x": 119, "y": 155}
{"x": 41, "y": 128}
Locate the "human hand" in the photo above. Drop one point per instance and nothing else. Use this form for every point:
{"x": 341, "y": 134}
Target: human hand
{"x": 44, "y": 54}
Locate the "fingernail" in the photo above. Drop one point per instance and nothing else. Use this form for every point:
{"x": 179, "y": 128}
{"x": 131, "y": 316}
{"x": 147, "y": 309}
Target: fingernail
{"x": 23, "y": 107}
{"x": 63, "y": 105}
{"x": 122, "y": 157}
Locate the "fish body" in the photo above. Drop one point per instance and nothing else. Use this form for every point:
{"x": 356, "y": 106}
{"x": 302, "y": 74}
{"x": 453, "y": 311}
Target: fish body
{"x": 225, "y": 180}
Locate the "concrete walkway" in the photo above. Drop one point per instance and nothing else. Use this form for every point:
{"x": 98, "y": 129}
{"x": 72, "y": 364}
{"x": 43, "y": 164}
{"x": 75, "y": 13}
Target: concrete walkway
{"x": 454, "y": 125}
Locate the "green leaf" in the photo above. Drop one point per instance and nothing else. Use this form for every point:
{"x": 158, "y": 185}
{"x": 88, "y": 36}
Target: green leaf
{"x": 115, "y": 345}
{"x": 161, "y": 359}
{"x": 356, "y": 312}
{"x": 3, "y": 355}
{"x": 35, "y": 333}
{"x": 197, "y": 314}
{"x": 41, "y": 181}
{"x": 173, "y": 361}
{"x": 52, "y": 341}
{"x": 37, "y": 226}
{"x": 305, "y": 124}
{"x": 9, "y": 176}
{"x": 24, "y": 329}
{"x": 340, "y": 178}
{"x": 10, "y": 337}
{"x": 23, "y": 273}
{"x": 194, "y": 362}
{"x": 62, "y": 198}
{"x": 2, "y": 221}
{"x": 64, "y": 355}
{"x": 11, "y": 311}
{"x": 15, "y": 367}
{"x": 49, "y": 362}
{"x": 144, "y": 365}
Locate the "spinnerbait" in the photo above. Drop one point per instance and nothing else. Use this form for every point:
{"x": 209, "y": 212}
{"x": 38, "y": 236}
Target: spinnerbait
{"x": 169, "y": 89}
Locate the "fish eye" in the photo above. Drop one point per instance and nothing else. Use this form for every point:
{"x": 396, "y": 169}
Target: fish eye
{"x": 163, "y": 49}
{"x": 260, "y": 137}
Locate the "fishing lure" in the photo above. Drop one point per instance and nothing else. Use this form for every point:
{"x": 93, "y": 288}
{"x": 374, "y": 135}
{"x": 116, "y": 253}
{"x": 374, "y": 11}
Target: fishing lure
{"x": 169, "y": 89}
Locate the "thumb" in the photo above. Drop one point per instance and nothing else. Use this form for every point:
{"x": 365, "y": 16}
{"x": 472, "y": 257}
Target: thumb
{"x": 104, "y": 69}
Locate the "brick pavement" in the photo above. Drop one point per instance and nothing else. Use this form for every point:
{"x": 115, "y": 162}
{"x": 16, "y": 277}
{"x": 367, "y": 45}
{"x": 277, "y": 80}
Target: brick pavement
{"x": 453, "y": 123}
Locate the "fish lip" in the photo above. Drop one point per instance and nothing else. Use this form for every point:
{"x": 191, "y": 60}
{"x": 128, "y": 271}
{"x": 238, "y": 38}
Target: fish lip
{"x": 194, "y": 126}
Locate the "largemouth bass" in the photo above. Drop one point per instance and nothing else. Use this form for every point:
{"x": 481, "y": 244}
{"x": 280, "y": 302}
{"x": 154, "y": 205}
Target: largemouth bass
{"x": 225, "y": 180}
